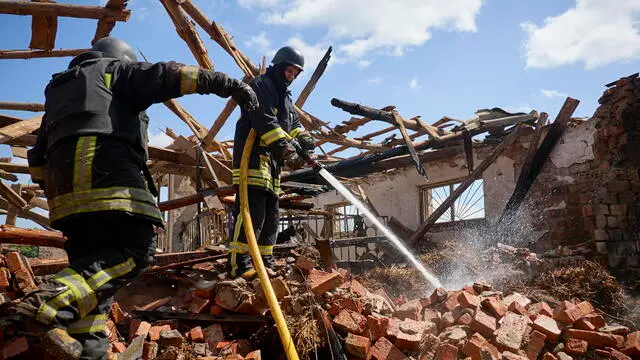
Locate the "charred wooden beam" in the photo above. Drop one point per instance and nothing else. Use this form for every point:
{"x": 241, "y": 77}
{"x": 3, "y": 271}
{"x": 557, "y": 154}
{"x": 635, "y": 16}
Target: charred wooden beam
{"x": 317, "y": 73}
{"x": 31, "y": 54}
{"x": 477, "y": 173}
{"x": 412, "y": 151}
{"x": 21, "y": 106}
{"x": 375, "y": 114}
{"x": 181, "y": 264}
{"x": 188, "y": 33}
{"x": 195, "y": 198}
{"x": 537, "y": 156}
{"x": 68, "y": 10}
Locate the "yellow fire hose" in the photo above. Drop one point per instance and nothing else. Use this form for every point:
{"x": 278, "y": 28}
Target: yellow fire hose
{"x": 276, "y": 312}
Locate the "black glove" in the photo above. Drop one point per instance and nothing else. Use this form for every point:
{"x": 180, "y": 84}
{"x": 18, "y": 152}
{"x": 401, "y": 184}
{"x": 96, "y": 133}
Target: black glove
{"x": 291, "y": 158}
{"x": 213, "y": 82}
{"x": 306, "y": 141}
{"x": 244, "y": 95}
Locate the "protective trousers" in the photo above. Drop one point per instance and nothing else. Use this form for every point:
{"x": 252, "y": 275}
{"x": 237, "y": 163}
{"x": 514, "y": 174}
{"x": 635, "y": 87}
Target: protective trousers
{"x": 263, "y": 207}
{"x": 105, "y": 250}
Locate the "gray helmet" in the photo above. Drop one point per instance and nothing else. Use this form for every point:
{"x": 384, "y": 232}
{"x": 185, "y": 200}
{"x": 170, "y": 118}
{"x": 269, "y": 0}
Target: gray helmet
{"x": 116, "y": 48}
{"x": 289, "y": 56}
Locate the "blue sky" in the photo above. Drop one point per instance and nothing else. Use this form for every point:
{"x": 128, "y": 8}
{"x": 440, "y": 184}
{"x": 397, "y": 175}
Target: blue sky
{"x": 431, "y": 58}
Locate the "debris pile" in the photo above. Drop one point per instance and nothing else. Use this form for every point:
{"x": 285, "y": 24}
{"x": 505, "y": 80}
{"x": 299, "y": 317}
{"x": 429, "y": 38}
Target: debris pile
{"x": 332, "y": 315}
{"x": 16, "y": 276}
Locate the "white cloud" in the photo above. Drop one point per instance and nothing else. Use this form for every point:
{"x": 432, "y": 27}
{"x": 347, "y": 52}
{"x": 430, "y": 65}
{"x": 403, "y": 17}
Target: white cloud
{"x": 258, "y": 3}
{"x": 160, "y": 139}
{"x": 414, "y": 84}
{"x": 375, "y": 80}
{"x": 361, "y": 27}
{"x": 594, "y": 32}
{"x": 259, "y": 42}
{"x": 552, "y": 93}
{"x": 517, "y": 108}
{"x": 361, "y": 64}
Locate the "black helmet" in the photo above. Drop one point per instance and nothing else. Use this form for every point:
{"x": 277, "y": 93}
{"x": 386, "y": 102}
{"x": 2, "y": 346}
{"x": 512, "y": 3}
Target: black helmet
{"x": 116, "y": 48}
{"x": 290, "y": 56}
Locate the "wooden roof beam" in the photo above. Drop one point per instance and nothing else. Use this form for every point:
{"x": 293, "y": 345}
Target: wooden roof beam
{"x": 32, "y": 54}
{"x": 53, "y": 9}
{"x": 105, "y": 25}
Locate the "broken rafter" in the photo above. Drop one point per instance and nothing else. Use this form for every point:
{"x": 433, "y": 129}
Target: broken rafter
{"x": 105, "y": 25}
{"x": 68, "y": 10}
{"x": 14, "y": 168}
{"x": 19, "y": 129}
{"x": 163, "y": 154}
{"x": 477, "y": 173}
{"x": 188, "y": 33}
{"x": 375, "y": 114}
{"x": 33, "y": 237}
{"x": 30, "y": 54}
{"x": 408, "y": 142}
{"x": 35, "y": 107}
{"x": 317, "y": 73}
{"x": 354, "y": 123}
{"x": 43, "y": 30}
{"x": 11, "y": 196}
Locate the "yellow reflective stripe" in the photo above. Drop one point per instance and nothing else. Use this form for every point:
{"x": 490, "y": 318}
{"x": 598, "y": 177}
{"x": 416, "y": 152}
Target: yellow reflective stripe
{"x": 257, "y": 173}
{"x": 83, "y": 294}
{"x": 83, "y": 164}
{"x": 266, "y": 249}
{"x": 107, "y": 80}
{"x": 125, "y": 205}
{"x": 91, "y": 195}
{"x": 236, "y": 235}
{"x": 46, "y": 314}
{"x": 89, "y": 324}
{"x": 36, "y": 172}
{"x": 295, "y": 132}
{"x": 104, "y": 276}
{"x": 238, "y": 247}
{"x": 273, "y": 135}
{"x": 188, "y": 79}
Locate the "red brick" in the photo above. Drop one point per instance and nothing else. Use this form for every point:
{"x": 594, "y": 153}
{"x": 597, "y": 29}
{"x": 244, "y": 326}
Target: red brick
{"x": 15, "y": 347}
{"x": 604, "y": 353}
{"x": 562, "y": 306}
{"x": 597, "y": 339}
{"x": 508, "y": 355}
{"x": 341, "y": 303}
{"x": 358, "y": 346}
{"x": 446, "y": 320}
{"x": 118, "y": 347}
{"x": 446, "y": 352}
{"x": 511, "y": 333}
{"x": 575, "y": 346}
{"x": 138, "y": 328}
{"x": 383, "y": 349}
{"x": 431, "y": 315}
{"x": 540, "y": 308}
{"x": 584, "y": 324}
{"x": 478, "y": 348}
{"x": 116, "y": 313}
{"x": 154, "y": 331}
{"x": 216, "y": 310}
{"x": 439, "y": 295}
{"x": 617, "y": 355}
{"x": 149, "y": 350}
{"x": 254, "y": 355}
{"x": 350, "y": 322}
{"x": 549, "y": 356}
{"x": 470, "y": 290}
{"x": 484, "y": 324}
{"x": 321, "y": 282}
{"x": 15, "y": 261}
{"x": 494, "y": 307}
{"x": 376, "y": 326}
{"x": 111, "y": 331}
{"x": 481, "y": 285}
{"x": 305, "y": 264}
{"x": 464, "y": 319}
{"x": 386, "y": 298}
{"x": 535, "y": 344}
{"x": 516, "y": 307}
{"x": 410, "y": 334}
{"x": 410, "y": 310}
{"x": 547, "y": 326}
{"x": 198, "y": 305}
{"x": 196, "y": 334}
{"x": 468, "y": 300}
{"x": 5, "y": 278}
{"x": 25, "y": 280}
{"x": 518, "y": 298}
{"x": 451, "y": 302}
{"x": 205, "y": 293}
{"x": 154, "y": 304}
{"x": 596, "y": 320}
{"x": 393, "y": 329}
{"x": 572, "y": 314}
{"x": 632, "y": 344}
{"x": 356, "y": 288}
{"x": 213, "y": 335}
{"x": 173, "y": 323}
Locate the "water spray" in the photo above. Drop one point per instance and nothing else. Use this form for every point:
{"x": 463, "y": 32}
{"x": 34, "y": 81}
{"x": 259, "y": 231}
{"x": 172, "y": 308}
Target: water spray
{"x": 368, "y": 214}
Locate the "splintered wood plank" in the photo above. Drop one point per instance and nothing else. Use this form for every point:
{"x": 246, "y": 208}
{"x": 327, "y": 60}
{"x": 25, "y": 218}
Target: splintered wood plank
{"x": 105, "y": 25}
{"x": 317, "y": 73}
{"x": 11, "y": 196}
{"x": 19, "y": 129}
{"x": 12, "y": 212}
{"x": 19, "y": 151}
{"x": 187, "y": 31}
{"x": 32, "y": 54}
{"x": 54, "y": 9}
{"x": 43, "y": 30}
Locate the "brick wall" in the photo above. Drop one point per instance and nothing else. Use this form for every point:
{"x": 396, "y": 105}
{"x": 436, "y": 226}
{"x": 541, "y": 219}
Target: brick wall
{"x": 595, "y": 198}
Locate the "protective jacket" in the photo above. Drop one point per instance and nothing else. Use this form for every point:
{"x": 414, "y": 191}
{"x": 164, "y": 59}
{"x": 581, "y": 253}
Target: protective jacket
{"x": 275, "y": 122}
{"x": 91, "y": 150}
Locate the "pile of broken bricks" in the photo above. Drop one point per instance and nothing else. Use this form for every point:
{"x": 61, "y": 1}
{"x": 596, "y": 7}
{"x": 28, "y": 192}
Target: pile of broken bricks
{"x": 16, "y": 276}
{"x": 472, "y": 323}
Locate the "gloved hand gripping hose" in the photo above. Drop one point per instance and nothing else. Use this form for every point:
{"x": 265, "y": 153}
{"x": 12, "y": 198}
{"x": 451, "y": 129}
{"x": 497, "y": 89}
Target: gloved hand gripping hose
{"x": 276, "y": 312}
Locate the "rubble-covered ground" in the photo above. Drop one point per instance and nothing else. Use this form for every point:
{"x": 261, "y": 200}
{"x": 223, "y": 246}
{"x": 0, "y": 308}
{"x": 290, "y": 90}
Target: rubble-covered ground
{"x": 525, "y": 308}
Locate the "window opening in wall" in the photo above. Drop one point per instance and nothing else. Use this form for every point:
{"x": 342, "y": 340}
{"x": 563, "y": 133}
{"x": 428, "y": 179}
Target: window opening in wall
{"x": 347, "y": 221}
{"x": 468, "y": 206}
